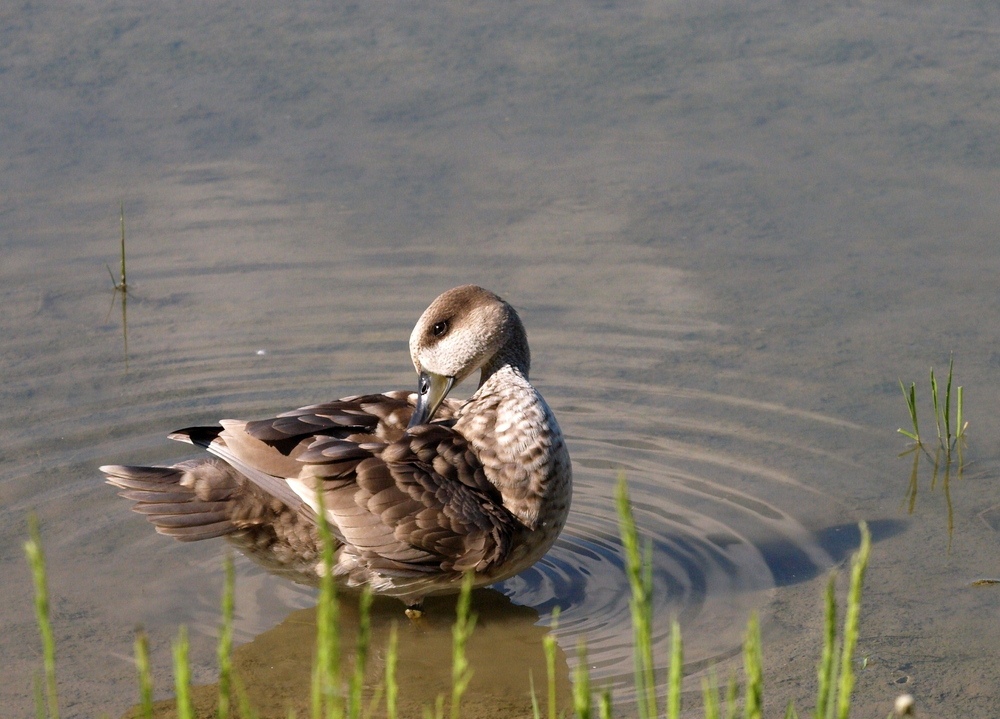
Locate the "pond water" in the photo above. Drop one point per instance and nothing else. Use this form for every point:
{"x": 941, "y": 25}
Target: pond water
{"x": 729, "y": 227}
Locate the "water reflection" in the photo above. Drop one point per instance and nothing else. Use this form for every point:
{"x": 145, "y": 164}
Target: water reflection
{"x": 942, "y": 464}
{"x": 275, "y": 667}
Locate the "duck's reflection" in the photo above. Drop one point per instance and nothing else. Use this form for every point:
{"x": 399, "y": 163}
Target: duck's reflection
{"x": 505, "y": 653}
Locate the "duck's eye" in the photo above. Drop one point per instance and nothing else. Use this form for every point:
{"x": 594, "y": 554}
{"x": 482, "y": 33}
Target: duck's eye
{"x": 440, "y": 328}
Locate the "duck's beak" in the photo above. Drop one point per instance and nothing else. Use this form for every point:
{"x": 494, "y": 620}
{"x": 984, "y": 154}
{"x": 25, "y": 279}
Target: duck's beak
{"x": 432, "y": 390}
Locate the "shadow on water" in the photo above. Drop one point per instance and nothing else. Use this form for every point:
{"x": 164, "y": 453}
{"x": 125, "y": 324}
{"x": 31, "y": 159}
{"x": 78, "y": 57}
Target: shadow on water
{"x": 276, "y": 666}
{"x": 790, "y": 565}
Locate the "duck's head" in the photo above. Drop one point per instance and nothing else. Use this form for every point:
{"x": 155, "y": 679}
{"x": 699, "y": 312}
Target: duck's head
{"x": 464, "y": 330}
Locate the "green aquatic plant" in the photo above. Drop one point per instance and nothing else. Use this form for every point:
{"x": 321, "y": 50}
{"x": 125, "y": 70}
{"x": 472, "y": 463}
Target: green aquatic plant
{"x": 36, "y": 558}
{"x": 835, "y": 670}
{"x": 145, "y": 676}
{"x": 942, "y": 412}
{"x": 465, "y": 622}
{"x": 550, "y": 648}
{"x": 911, "y": 406}
{"x": 391, "y": 659}
{"x": 182, "y": 675}
{"x": 327, "y": 700}
{"x": 951, "y": 439}
{"x": 225, "y": 649}
{"x": 121, "y": 285}
{"x": 639, "y": 569}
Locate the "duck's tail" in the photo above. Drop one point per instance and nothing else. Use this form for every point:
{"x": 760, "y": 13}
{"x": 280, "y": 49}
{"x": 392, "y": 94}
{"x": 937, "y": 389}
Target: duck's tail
{"x": 189, "y": 501}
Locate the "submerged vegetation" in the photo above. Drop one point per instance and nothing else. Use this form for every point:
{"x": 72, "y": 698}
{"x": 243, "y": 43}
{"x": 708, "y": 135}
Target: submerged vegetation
{"x": 334, "y": 697}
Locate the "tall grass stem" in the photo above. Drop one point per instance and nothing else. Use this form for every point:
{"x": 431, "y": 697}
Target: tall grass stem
{"x": 465, "y": 622}
{"x": 145, "y": 675}
{"x": 182, "y": 675}
{"x": 36, "y": 558}
{"x": 639, "y": 568}
{"x": 859, "y": 564}
{"x": 225, "y": 649}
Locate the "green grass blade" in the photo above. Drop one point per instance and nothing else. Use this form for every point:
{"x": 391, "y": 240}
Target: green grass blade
{"x": 124, "y": 284}
{"x": 911, "y": 407}
{"x": 391, "y": 685}
{"x": 790, "y": 712}
{"x": 826, "y": 670}
{"x": 959, "y": 427}
{"x": 582, "y": 700}
{"x": 934, "y": 400}
{"x": 182, "y": 676}
{"x": 676, "y": 675}
{"x": 39, "y": 696}
{"x": 710, "y": 695}
{"x": 947, "y": 404}
{"x": 638, "y": 567}
{"x": 604, "y": 707}
{"x": 326, "y": 695}
{"x": 465, "y": 622}
{"x": 536, "y": 711}
{"x": 145, "y": 675}
{"x": 225, "y": 648}
{"x": 859, "y": 563}
{"x": 361, "y": 653}
{"x": 549, "y": 646}
{"x": 36, "y": 559}
{"x": 753, "y": 703}
{"x": 732, "y": 693}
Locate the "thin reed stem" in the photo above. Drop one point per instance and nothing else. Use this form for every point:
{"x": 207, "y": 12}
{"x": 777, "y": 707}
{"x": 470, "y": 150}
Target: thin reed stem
{"x": 859, "y": 564}
{"x": 549, "y": 647}
{"x": 361, "y": 653}
{"x": 327, "y": 700}
{"x": 36, "y": 558}
{"x": 604, "y": 707}
{"x": 676, "y": 675}
{"x": 465, "y": 622}
{"x": 639, "y": 568}
{"x": 947, "y": 404}
{"x": 182, "y": 675}
{"x": 710, "y": 695}
{"x": 582, "y": 699}
{"x": 391, "y": 686}
{"x": 826, "y": 671}
{"x": 753, "y": 703}
{"x": 225, "y": 648}
{"x": 145, "y": 674}
{"x": 934, "y": 400}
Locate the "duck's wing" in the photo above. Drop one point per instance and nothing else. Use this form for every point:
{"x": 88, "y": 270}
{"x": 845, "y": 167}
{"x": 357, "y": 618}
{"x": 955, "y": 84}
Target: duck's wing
{"x": 379, "y": 414}
{"x": 418, "y": 505}
{"x": 267, "y": 451}
{"x": 385, "y": 416}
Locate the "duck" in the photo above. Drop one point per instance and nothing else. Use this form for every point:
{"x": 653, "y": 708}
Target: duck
{"x": 418, "y": 488}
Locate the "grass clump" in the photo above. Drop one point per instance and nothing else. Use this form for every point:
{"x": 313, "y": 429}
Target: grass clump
{"x": 948, "y": 454}
{"x": 334, "y": 698}
{"x": 947, "y": 440}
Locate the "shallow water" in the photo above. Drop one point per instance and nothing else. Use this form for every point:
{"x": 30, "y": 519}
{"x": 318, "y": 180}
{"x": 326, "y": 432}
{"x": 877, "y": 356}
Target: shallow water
{"x": 729, "y": 229}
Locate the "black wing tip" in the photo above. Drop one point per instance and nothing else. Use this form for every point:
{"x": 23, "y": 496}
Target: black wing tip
{"x": 199, "y": 436}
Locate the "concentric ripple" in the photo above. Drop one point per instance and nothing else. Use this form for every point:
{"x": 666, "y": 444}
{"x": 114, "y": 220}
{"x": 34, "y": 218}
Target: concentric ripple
{"x": 720, "y": 486}
{"x": 725, "y": 529}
